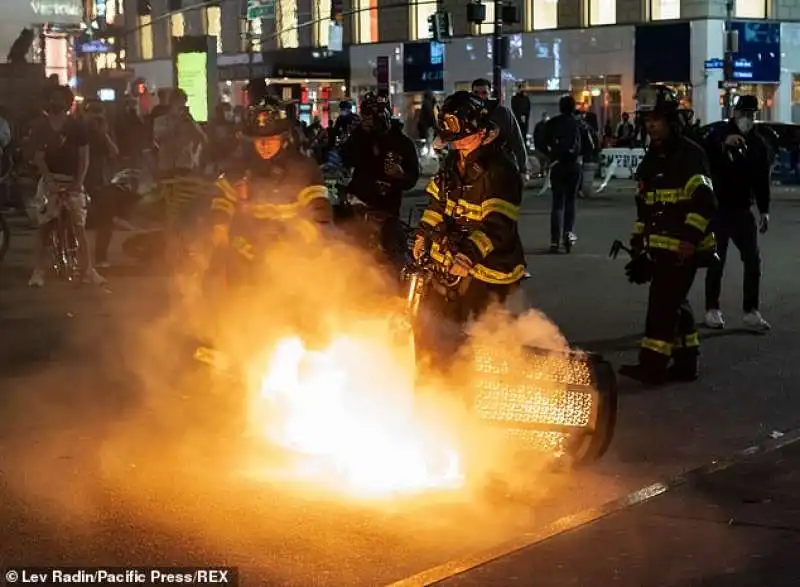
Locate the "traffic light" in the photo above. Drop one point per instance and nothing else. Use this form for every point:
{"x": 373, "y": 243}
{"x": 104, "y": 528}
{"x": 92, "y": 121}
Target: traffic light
{"x": 440, "y": 26}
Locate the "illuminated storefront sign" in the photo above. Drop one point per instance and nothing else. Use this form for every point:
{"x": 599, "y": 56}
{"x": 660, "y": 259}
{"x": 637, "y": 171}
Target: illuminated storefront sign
{"x": 56, "y": 8}
{"x": 192, "y": 72}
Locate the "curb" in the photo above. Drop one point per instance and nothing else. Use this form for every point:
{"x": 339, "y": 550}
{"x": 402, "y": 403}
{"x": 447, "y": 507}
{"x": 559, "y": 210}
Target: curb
{"x": 575, "y": 521}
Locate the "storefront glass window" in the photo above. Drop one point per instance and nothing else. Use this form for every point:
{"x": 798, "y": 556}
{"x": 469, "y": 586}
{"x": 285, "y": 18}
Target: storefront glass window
{"x": 420, "y": 12}
{"x": 602, "y": 12}
{"x": 286, "y": 24}
{"x": 487, "y": 26}
{"x": 213, "y": 24}
{"x": 751, "y": 9}
{"x": 177, "y": 25}
{"x": 145, "y": 37}
{"x": 545, "y": 14}
{"x": 665, "y": 9}
{"x": 321, "y": 12}
{"x": 796, "y": 98}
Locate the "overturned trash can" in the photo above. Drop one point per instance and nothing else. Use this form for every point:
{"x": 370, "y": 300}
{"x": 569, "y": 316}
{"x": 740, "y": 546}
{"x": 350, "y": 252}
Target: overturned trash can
{"x": 562, "y": 403}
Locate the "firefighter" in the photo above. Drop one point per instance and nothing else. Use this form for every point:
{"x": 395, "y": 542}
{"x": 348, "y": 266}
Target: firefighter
{"x": 474, "y": 202}
{"x": 671, "y": 239}
{"x": 271, "y": 191}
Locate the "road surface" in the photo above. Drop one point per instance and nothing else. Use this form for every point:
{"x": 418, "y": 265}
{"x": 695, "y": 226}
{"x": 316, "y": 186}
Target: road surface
{"x": 103, "y": 462}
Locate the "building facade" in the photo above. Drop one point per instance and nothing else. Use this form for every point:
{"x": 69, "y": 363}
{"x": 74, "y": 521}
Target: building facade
{"x": 597, "y": 49}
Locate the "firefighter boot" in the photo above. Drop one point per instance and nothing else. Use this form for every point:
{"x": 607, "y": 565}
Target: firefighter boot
{"x": 650, "y": 371}
{"x": 685, "y": 366}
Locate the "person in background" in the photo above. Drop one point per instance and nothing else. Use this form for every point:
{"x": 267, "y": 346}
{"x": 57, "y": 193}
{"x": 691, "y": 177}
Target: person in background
{"x": 5, "y": 157}
{"x": 521, "y": 107}
{"x": 132, "y": 136}
{"x": 222, "y": 135}
{"x": 345, "y": 123}
{"x": 625, "y": 132}
{"x": 740, "y": 168}
{"x": 564, "y": 147}
{"x": 426, "y": 120}
{"x": 510, "y": 134}
{"x": 539, "y": 146}
{"x": 102, "y": 153}
{"x": 61, "y": 147}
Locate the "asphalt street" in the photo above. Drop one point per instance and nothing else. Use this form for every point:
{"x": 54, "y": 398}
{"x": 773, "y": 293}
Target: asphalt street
{"x": 103, "y": 462}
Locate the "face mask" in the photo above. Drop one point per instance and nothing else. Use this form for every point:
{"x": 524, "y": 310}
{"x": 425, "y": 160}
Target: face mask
{"x": 745, "y": 125}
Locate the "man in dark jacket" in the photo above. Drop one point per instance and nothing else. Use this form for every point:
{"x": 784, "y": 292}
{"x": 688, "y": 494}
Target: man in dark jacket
{"x": 740, "y": 166}
{"x": 385, "y": 164}
{"x": 562, "y": 140}
{"x": 510, "y": 134}
{"x": 521, "y": 107}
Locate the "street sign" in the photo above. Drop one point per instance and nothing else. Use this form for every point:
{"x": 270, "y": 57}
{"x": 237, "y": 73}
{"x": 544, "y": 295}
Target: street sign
{"x": 724, "y": 85}
{"x": 715, "y": 63}
{"x": 260, "y": 9}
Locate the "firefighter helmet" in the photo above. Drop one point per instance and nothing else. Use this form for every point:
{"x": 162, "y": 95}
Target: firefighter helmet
{"x": 462, "y": 115}
{"x": 657, "y": 99}
{"x": 266, "y": 119}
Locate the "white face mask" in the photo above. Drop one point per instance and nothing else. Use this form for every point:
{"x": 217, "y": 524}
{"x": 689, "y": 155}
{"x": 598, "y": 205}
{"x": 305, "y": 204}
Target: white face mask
{"x": 744, "y": 124}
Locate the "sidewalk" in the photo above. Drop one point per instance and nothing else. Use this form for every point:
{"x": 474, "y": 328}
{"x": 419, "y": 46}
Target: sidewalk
{"x": 735, "y": 527}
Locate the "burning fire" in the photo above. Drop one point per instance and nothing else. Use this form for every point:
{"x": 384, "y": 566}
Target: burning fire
{"x": 350, "y": 410}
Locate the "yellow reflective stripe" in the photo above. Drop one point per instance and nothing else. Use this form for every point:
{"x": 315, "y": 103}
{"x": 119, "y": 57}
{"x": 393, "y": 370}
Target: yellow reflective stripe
{"x": 443, "y": 257}
{"x": 638, "y": 227}
{"x": 668, "y": 243}
{"x": 311, "y": 193}
{"x": 708, "y": 243}
{"x": 501, "y": 207}
{"x": 223, "y": 205}
{"x": 483, "y": 242}
{"x": 432, "y": 218}
{"x": 657, "y": 346}
{"x": 487, "y": 275}
{"x": 463, "y": 209}
{"x": 697, "y": 221}
{"x": 244, "y": 248}
{"x": 432, "y": 189}
{"x": 691, "y": 340}
{"x": 666, "y": 196}
{"x": 273, "y": 211}
{"x": 228, "y": 190}
{"x": 695, "y": 182}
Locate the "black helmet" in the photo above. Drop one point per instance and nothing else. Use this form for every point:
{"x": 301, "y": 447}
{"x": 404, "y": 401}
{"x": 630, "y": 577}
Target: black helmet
{"x": 657, "y": 99}
{"x": 463, "y": 114}
{"x": 345, "y": 105}
{"x": 746, "y": 103}
{"x": 266, "y": 119}
{"x": 375, "y": 111}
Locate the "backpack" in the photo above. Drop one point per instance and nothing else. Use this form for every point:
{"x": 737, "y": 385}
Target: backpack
{"x": 565, "y": 139}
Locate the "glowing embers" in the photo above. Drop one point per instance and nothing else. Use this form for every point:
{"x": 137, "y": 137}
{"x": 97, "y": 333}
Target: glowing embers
{"x": 526, "y": 404}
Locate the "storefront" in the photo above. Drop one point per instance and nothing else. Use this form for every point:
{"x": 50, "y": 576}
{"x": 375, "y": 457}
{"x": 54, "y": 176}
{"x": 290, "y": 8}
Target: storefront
{"x": 316, "y": 80}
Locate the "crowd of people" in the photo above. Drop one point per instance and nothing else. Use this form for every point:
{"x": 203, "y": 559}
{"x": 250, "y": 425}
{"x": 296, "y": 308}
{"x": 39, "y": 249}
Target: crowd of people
{"x": 695, "y": 192}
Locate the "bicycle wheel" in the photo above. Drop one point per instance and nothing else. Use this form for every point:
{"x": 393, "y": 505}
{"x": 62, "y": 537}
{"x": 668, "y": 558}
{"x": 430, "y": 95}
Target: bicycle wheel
{"x": 5, "y": 237}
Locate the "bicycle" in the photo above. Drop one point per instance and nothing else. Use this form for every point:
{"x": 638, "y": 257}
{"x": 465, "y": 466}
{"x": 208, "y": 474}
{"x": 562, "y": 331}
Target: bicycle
{"x": 63, "y": 244}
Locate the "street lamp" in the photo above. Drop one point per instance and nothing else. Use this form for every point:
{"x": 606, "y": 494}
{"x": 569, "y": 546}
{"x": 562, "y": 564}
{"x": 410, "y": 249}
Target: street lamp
{"x": 505, "y": 12}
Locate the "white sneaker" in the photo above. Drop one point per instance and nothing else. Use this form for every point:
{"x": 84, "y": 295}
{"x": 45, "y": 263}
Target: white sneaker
{"x": 755, "y": 321}
{"x": 37, "y": 278}
{"x": 94, "y": 278}
{"x": 715, "y": 319}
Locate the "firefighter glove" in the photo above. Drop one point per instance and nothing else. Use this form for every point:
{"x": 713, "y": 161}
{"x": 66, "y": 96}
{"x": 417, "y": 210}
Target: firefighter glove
{"x": 419, "y": 246}
{"x": 461, "y": 265}
{"x": 639, "y": 270}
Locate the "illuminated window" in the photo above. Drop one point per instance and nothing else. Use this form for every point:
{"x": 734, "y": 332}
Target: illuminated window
{"x": 145, "y": 37}
{"x": 251, "y": 32}
{"x": 545, "y": 14}
{"x": 665, "y": 9}
{"x": 420, "y": 27}
{"x": 751, "y": 9}
{"x": 366, "y": 21}
{"x": 177, "y": 25}
{"x": 112, "y": 11}
{"x": 213, "y": 24}
{"x": 602, "y": 12}
{"x": 286, "y": 23}
{"x": 487, "y": 27}
{"x": 321, "y": 13}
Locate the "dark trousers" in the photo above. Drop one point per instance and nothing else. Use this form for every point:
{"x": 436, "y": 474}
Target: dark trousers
{"x": 564, "y": 182}
{"x": 670, "y": 331}
{"x": 740, "y": 227}
{"x": 440, "y": 327}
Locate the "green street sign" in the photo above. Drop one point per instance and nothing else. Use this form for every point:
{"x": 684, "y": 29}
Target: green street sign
{"x": 260, "y": 9}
